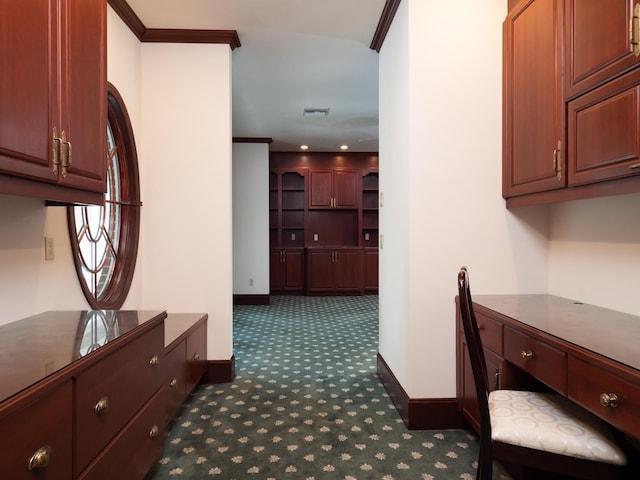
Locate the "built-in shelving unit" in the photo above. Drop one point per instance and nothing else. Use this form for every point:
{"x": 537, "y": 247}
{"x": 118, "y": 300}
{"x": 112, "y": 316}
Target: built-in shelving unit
{"x": 323, "y": 223}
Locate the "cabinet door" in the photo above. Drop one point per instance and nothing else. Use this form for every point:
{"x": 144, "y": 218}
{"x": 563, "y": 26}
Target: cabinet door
{"x": 345, "y": 192}
{"x": 275, "y": 270}
{"x": 597, "y": 42}
{"x": 28, "y": 86}
{"x": 603, "y": 128}
{"x": 348, "y": 270}
{"x": 371, "y": 270}
{"x": 533, "y": 98}
{"x": 84, "y": 94}
{"x": 321, "y": 189}
{"x": 293, "y": 270}
{"x": 320, "y": 270}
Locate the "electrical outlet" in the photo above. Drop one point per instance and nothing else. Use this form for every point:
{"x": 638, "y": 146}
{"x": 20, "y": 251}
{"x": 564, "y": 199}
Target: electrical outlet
{"x": 293, "y": 236}
{"x": 366, "y": 237}
{"x": 49, "y": 251}
{"x": 315, "y": 237}
{"x": 251, "y": 282}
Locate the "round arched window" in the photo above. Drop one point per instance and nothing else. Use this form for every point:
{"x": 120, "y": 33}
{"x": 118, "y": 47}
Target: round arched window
{"x": 104, "y": 239}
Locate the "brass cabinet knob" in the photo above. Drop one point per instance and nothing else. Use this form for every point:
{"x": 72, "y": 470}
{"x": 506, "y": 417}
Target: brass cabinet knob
{"x": 609, "y": 400}
{"x": 526, "y": 355}
{"x": 102, "y": 406}
{"x": 173, "y": 382}
{"x": 154, "y": 361}
{"x": 154, "y": 431}
{"x": 40, "y": 459}
{"x": 196, "y": 356}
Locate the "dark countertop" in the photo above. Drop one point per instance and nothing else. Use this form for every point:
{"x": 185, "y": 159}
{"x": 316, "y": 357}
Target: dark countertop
{"x": 33, "y": 348}
{"x": 609, "y": 333}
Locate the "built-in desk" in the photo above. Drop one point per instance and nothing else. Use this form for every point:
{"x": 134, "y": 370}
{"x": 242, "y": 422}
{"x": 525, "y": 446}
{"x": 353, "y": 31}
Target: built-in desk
{"x": 587, "y": 353}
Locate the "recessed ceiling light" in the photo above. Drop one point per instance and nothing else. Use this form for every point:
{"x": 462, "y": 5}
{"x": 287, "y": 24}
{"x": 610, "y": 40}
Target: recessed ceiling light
{"x": 304, "y": 147}
{"x": 344, "y": 147}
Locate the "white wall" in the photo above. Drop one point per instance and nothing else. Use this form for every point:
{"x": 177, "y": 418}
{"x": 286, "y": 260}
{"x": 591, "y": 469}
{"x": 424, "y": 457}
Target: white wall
{"x": 28, "y": 283}
{"x": 250, "y": 218}
{"x": 440, "y": 171}
{"x": 186, "y": 180}
{"x": 594, "y": 252}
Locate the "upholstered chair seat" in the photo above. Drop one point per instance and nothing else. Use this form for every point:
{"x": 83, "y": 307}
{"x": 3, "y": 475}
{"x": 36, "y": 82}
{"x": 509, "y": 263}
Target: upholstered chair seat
{"x": 551, "y": 423}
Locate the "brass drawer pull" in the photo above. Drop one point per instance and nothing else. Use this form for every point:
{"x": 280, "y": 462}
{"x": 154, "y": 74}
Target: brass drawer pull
{"x": 154, "y": 431}
{"x": 102, "y": 406}
{"x": 173, "y": 382}
{"x": 526, "y": 355}
{"x": 40, "y": 459}
{"x": 609, "y": 400}
{"x": 154, "y": 361}
{"x": 196, "y": 356}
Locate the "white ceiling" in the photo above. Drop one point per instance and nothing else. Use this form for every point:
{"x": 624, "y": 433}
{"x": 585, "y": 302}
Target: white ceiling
{"x": 295, "y": 54}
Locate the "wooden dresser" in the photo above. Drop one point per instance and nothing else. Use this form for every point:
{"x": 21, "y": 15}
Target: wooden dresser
{"x": 589, "y": 354}
{"x": 80, "y": 392}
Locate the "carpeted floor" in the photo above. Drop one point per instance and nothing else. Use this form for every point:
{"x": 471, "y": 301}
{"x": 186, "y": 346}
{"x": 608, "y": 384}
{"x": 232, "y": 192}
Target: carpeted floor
{"x": 307, "y": 404}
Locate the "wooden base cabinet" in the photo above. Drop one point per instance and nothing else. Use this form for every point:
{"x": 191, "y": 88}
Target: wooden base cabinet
{"x": 94, "y": 411}
{"x": 332, "y": 271}
{"x": 287, "y": 270}
{"x": 185, "y": 358}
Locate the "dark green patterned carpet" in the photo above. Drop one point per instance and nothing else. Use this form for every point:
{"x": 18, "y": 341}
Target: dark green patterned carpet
{"x": 307, "y": 404}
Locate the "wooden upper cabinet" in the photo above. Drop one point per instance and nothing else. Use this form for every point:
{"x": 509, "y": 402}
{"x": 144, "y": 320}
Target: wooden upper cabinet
{"x": 28, "y": 86}
{"x": 53, "y": 93}
{"x": 533, "y": 98}
{"x": 335, "y": 188}
{"x": 603, "y": 132}
{"x": 598, "y": 42}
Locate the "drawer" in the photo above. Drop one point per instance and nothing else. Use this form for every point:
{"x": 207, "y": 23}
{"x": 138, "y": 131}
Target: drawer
{"x": 45, "y": 424}
{"x": 490, "y": 333}
{"x": 588, "y": 382}
{"x": 537, "y": 358}
{"x": 196, "y": 355}
{"x": 125, "y": 380}
{"x": 175, "y": 379}
{"x": 136, "y": 448}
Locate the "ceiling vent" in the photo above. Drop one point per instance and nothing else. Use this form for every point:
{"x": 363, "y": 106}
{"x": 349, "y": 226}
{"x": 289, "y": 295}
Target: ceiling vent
{"x": 315, "y": 112}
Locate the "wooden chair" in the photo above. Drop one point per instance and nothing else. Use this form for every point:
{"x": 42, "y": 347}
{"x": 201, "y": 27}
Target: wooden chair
{"x": 568, "y": 442}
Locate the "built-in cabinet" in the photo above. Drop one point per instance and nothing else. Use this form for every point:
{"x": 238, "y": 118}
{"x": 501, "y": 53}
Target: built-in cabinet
{"x": 323, "y": 223}
{"x": 53, "y": 97}
{"x": 334, "y": 188}
{"x": 335, "y": 270}
{"x": 82, "y": 395}
{"x": 184, "y": 362}
{"x": 571, "y": 103}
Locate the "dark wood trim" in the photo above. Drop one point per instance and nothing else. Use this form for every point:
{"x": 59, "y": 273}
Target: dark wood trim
{"x": 219, "y": 371}
{"x": 174, "y": 35}
{"x": 51, "y": 192}
{"x": 129, "y": 17}
{"x": 251, "y": 299}
{"x": 420, "y": 413}
{"x": 252, "y": 140}
{"x": 170, "y": 35}
{"x": 388, "y": 14}
{"x": 595, "y": 190}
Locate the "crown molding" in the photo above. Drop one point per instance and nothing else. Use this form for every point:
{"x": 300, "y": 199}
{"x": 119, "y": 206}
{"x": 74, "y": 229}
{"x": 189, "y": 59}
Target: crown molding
{"x": 388, "y": 13}
{"x": 252, "y": 140}
{"x": 169, "y": 35}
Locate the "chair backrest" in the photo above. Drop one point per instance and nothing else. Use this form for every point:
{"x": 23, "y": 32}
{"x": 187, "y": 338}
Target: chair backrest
{"x": 476, "y": 357}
